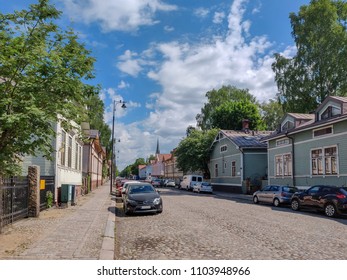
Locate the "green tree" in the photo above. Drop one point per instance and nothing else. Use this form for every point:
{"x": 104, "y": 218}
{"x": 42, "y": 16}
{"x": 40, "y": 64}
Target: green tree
{"x": 318, "y": 69}
{"x": 193, "y": 152}
{"x": 41, "y": 72}
{"x": 230, "y": 115}
{"x": 272, "y": 114}
{"x": 218, "y": 97}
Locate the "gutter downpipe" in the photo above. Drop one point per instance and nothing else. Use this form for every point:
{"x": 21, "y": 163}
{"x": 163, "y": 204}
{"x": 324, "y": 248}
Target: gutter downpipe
{"x": 241, "y": 164}
{"x": 293, "y": 158}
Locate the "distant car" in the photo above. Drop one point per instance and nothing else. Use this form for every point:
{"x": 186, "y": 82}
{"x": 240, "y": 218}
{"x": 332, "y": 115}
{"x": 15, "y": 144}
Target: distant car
{"x": 189, "y": 181}
{"x": 156, "y": 183}
{"x": 126, "y": 184}
{"x": 275, "y": 195}
{"x": 204, "y": 187}
{"x": 119, "y": 187}
{"x": 142, "y": 198}
{"x": 170, "y": 183}
{"x": 330, "y": 199}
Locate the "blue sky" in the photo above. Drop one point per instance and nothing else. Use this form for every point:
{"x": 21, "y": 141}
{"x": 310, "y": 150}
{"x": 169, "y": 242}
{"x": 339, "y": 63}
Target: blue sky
{"x": 162, "y": 56}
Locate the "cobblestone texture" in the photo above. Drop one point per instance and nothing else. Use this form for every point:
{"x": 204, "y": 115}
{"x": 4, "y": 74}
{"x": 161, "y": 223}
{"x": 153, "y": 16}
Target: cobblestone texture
{"x": 197, "y": 226}
{"x": 75, "y": 232}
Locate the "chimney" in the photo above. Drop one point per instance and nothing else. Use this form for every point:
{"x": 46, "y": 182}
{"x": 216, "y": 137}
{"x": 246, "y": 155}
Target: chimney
{"x": 245, "y": 125}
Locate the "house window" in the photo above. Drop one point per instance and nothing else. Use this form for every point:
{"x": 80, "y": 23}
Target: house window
{"x": 216, "y": 170}
{"x": 233, "y": 168}
{"x": 322, "y": 131}
{"x": 69, "y": 152}
{"x": 79, "y": 166}
{"x": 76, "y": 156}
{"x": 330, "y": 112}
{"x": 282, "y": 142}
{"x": 283, "y": 165}
{"x": 288, "y": 125}
{"x": 330, "y": 160}
{"x": 223, "y": 148}
{"x": 62, "y": 148}
{"x": 316, "y": 159}
{"x": 324, "y": 161}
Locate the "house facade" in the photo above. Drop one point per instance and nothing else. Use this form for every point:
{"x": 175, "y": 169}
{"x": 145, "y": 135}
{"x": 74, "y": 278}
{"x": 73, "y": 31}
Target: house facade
{"x": 171, "y": 170}
{"x": 94, "y": 156}
{"x": 238, "y": 160}
{"x": 66, "y": 166}
{"x": 310, "y": 149}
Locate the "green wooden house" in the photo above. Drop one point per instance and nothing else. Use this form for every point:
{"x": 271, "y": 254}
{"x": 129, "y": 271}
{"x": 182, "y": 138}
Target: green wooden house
{"x": 238, "y": 160}
{"x": 310, "y": 149}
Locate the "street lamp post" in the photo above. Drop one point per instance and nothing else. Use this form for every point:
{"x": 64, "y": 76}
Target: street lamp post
{"x": 115, "y": 102}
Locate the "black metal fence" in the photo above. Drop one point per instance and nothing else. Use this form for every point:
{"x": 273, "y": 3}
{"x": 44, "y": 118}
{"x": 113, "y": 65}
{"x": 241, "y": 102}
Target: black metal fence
{"x": 14, "y": 193}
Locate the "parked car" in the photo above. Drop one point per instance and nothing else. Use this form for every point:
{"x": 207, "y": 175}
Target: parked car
{"x": 330, "y": 199}
{"x": 275, "y": 195}
{"x": 169, "y": 183}
{"x": 142, "y": 198}
{"x": 189, "y": 181}
{"x": 119, "y": 187}
{"x": 156, "y": 182}
{"x": 204, "y": 187}
{"x": 126, "y": 184}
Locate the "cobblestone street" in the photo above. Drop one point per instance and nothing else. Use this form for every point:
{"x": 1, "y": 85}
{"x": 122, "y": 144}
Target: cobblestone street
{"x": 199, "y": 226}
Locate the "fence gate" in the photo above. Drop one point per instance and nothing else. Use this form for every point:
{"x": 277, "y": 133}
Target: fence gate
{"x": 46, "y": 184}
{"x": 14, "y": 199}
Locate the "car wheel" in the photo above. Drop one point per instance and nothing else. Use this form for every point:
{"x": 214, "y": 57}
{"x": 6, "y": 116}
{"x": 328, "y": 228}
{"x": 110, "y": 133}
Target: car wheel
{"x": 276, "y": 202}
{"x": 330, "y": 210}
{"x": 255, "y": 200}
{"x": 295, "y": 205}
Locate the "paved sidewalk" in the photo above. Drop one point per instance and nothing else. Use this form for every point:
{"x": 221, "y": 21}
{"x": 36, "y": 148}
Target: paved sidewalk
{"x": 85, "y": 234}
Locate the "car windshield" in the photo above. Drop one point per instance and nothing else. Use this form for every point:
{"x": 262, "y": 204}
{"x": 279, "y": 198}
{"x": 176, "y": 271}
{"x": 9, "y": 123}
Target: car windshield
{"x": 205, "y": 184}
{"x": 290, "y": 189}
{"x": 140, "y": 189}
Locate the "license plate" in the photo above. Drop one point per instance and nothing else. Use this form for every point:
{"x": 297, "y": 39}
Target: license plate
{"x": 145, "y": 207}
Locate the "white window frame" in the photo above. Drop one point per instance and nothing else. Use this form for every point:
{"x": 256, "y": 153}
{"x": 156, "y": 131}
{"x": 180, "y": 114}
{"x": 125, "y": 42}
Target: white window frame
{"x": 216, "y": 170}
{"x": 282, "y": 142}
{"x": 323, "y": 164}
{"x": 63, "y": 148}
{"x": 322, "y": 128}
{"x": 233, "y": 168}
{"x": 283, "y": 165}
{"x": 223, "y": 148}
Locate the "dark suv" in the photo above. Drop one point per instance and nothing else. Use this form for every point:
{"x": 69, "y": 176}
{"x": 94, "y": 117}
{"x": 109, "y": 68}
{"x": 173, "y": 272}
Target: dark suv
{"x": 330, "y": 199}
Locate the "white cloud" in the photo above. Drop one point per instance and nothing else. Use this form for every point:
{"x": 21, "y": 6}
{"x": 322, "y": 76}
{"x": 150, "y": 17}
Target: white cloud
{"x": 117, "y": 15}
{"x": 122, "y": 84}
{"x": 187, "y": 71}
{"x": 169, "y": 28}
{"x": 218, "y": 17}
{"x": 201, "y": 12}
{"x": 128, "y": 64}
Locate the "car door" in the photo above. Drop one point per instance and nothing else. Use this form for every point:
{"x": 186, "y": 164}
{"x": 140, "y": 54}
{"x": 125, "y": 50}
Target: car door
{"x": 319, "y": 198}
{"x": 310, "y": 197}
{"x": 263, "y": 194}
{"x": 273, "y": 193}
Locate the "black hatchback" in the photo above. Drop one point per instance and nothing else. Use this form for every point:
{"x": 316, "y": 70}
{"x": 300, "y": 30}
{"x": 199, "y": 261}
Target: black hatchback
{"x": 330, "y": 199}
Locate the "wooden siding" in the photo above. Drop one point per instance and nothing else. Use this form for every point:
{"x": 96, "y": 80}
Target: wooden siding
{"x": 255, "y": 165}
{"x": 304, "y": 143}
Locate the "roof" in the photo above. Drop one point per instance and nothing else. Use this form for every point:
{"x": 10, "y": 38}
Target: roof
{"x": 244, "y": 139}
{"x": 301, "y": 116}
{"x": 163, "y": 157}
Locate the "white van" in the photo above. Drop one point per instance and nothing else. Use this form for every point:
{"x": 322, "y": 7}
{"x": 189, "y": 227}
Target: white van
{"x": 189, "y": 181}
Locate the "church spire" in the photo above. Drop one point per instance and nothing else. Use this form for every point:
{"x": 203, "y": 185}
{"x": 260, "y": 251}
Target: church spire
{"x": 157, "y": 152}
